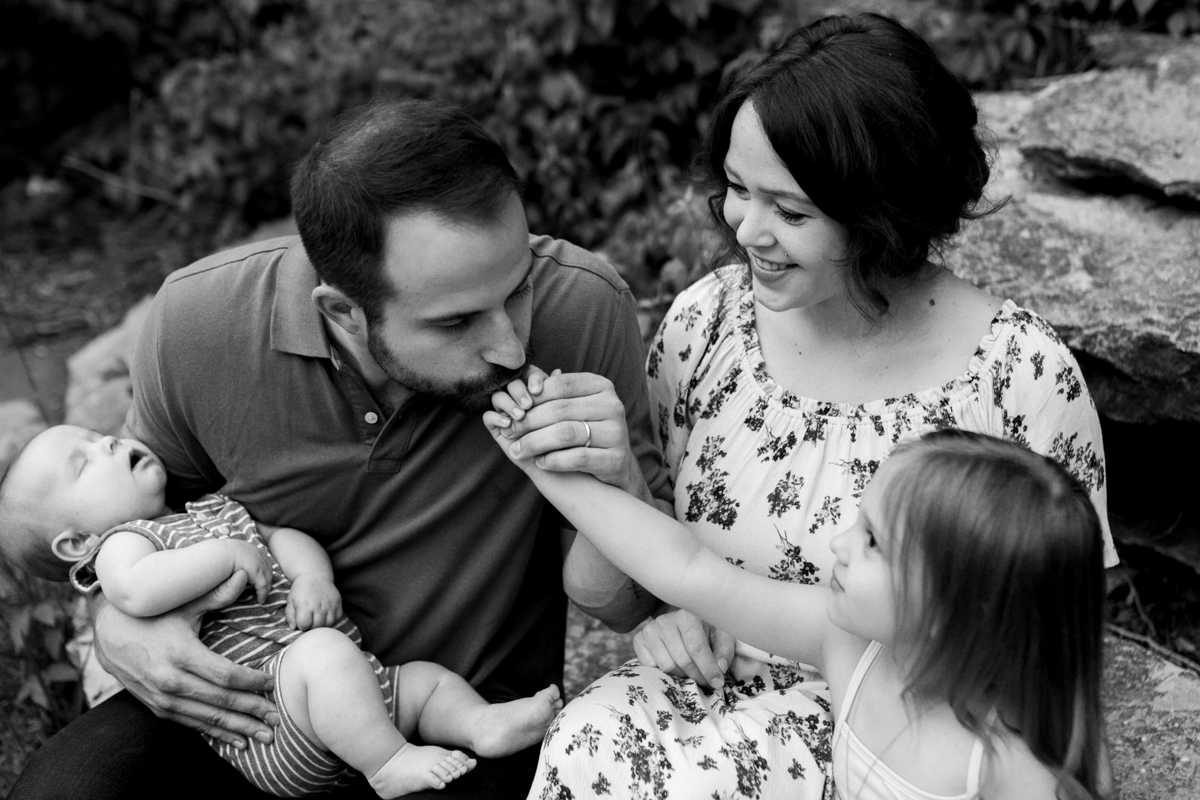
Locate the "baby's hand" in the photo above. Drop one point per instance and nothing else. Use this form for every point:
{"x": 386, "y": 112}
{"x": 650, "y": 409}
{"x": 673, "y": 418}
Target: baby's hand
{"x": 511, "y": 403}
{"x": 253, "y": 561}
{"x": 314, "y": 602}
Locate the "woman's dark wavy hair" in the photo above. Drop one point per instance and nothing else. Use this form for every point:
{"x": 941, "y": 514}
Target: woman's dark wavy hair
{"x": 878, "y": 133}
{"x": 384, "y": 159}
{"x": 1001, "y": 576}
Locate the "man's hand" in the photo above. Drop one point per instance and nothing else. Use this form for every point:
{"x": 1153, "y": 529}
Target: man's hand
{"x": 162, "y": 662}
{"x": 313, "y": 602}
{"x": 680, "y": 643}
{"x": 572, "y": 422}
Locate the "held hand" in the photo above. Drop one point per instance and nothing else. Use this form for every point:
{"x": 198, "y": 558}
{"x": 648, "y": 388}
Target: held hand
{"x": 161, "y": 661}
{"x": 572, "y": 422}
{"x": 313, "y": 602}
{"x": 680, "y": 643}
{"x": 253, "y": 561}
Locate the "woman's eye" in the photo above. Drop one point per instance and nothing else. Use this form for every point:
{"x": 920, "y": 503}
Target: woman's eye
{"x": 522, "y": 292}
{"x": 738, "y": 190}
{"x": 791, "y": 217}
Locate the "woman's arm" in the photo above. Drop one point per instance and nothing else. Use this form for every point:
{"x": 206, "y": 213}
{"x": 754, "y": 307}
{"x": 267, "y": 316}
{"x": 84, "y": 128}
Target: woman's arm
{"x": 143, "y": 581}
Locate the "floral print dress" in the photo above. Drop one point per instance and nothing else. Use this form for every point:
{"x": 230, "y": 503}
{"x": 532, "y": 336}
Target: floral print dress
{"x": 766, "y": 478}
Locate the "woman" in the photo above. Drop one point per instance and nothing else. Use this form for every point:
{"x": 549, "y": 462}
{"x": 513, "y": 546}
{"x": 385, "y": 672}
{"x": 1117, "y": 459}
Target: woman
{"x": 841, "y": 164}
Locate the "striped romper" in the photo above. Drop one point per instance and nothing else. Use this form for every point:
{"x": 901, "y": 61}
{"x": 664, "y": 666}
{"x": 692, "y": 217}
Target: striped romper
{"x": 254, "y": 635}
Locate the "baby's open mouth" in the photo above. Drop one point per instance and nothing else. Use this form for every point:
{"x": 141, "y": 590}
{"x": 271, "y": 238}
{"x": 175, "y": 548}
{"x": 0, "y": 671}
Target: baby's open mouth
{"x": 134, "y": 458}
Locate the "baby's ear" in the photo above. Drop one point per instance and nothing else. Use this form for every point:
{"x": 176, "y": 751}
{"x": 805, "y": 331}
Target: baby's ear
{"x": 72, "y": 545}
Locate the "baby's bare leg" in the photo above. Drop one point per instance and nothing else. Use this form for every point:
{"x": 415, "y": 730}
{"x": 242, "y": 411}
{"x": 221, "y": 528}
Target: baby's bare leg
{"x": 444, "y": 708}
{"x": 331, "y": 692}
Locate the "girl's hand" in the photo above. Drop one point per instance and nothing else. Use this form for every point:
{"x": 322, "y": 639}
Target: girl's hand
{"x": 313, "y": 602}
{"x": 510, "y": 405}
{"x": 253, "y": 561}
{"x": 680, "y": 643}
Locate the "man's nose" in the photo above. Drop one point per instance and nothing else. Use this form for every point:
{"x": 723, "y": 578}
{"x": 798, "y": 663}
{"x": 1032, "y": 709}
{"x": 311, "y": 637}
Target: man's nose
{"x": 505, "y": 348}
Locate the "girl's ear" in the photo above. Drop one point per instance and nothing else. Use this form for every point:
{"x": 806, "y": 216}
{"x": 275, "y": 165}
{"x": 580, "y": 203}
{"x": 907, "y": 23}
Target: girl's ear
{"x": 72, "y": 545}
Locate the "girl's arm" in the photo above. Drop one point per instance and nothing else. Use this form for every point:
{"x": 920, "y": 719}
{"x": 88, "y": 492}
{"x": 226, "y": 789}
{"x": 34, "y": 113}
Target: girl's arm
{"x": 314, "y": 601}
{"x": 143, "y": 581}
{"x": 662, "y": 555}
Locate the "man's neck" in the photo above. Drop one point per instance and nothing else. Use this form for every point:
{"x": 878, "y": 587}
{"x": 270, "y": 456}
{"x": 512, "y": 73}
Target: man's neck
{"x": 353, "y": 354}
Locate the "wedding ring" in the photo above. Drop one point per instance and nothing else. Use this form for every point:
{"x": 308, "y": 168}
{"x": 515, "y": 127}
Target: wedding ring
{"x": 588, "y": 441}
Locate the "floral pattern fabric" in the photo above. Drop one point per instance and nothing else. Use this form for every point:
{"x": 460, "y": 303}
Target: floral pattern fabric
{"x": 766, "y": 478}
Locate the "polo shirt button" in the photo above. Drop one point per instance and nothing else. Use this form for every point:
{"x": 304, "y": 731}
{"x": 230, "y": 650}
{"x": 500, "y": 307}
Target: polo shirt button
{"x": 371, "y": 418}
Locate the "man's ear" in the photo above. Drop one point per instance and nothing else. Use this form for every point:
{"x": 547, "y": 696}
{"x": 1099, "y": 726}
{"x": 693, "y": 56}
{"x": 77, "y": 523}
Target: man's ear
{"x": 339, "y": 309}
{"x": 72, "y": 545}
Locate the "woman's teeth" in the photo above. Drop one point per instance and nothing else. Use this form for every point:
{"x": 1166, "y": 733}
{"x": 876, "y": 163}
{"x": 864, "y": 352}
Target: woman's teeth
{"x": 770, "y": 266}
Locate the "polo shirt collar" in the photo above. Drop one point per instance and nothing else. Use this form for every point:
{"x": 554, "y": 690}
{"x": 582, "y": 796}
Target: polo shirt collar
{"x": 296, "y": 324}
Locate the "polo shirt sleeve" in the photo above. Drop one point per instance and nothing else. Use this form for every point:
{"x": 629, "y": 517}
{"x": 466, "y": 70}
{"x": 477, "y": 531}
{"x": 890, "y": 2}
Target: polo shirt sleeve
{"x": 160, "y": 372}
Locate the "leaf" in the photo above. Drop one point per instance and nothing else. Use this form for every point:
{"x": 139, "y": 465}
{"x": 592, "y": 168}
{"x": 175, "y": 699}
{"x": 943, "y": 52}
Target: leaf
{"x": 1143, "y": 7}
{"x": 18, "y": 626}
{"x": 60, "y": 672}
{"x": 46, "y": 612}
{"x": 32, "y": 690}
{"x": 689, "y": 12}
{"x": 602, "y": 16}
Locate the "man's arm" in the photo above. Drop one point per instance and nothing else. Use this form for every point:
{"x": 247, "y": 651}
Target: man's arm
{"x": 160, "y": 660}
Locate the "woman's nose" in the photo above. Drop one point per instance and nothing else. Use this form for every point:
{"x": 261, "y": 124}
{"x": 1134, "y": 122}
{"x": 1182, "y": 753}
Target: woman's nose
{"x": 751, "y": 232}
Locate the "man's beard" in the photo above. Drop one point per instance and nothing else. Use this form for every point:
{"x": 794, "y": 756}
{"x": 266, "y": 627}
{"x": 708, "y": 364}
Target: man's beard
{"x": 469, "y": 395}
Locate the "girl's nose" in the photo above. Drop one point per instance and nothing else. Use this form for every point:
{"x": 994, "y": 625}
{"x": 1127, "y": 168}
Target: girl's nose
{"x": 838, "y": 545}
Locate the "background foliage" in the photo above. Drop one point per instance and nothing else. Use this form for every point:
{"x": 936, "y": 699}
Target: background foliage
{"x": 186, "y": 115}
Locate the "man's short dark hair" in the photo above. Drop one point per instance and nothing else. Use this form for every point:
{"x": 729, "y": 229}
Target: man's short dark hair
{"x": 388, "y": 158}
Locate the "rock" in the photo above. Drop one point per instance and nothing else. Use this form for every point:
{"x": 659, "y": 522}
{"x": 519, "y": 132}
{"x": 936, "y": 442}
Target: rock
{"x": 1140, "y": 124}
{"x": 20, "y": 421}
{"x": 1118, "y": 277}
{"x": 99, "y": 390}
{"x": 1152, "y": 712}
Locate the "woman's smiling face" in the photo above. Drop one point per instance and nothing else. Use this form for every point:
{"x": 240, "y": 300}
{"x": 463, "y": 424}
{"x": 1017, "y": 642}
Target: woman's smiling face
{"x": 795, "y": 250}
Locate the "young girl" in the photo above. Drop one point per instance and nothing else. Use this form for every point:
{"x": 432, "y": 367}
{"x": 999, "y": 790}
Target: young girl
{"x": 960, "y": 632}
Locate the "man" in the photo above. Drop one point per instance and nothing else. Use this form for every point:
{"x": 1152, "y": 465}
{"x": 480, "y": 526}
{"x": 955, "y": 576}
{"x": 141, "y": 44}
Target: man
{"x": 334, "y": 384}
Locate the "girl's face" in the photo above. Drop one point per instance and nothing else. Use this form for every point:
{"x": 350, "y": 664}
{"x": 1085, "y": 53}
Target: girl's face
{"x": 794, "y": 248}
{"x": 863, "y": 599}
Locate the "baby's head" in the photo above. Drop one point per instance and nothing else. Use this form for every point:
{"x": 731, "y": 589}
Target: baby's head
{"x": 998, "y": 575}
{"x": 67, "y": 487}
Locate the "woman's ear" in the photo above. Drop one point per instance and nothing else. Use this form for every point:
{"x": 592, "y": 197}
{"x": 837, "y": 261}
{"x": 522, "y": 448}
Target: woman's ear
{"x": 339, "y": 309}
{"x": 71, "y": 545}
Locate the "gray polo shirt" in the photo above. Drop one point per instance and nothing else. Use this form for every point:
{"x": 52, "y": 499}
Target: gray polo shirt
{"x": 442, "y": 549}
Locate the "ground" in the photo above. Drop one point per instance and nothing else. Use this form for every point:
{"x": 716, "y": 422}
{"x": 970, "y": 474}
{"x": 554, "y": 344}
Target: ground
{"x": 72, "y": 263}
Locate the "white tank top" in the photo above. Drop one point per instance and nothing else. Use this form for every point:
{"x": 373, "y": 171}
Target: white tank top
{"x": 859, "y": 774}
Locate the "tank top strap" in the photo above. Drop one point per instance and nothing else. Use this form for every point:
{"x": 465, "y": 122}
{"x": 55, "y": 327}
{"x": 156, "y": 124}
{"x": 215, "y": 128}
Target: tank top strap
{"x": 975, "y": 769}
{"x": 856, "y": 679}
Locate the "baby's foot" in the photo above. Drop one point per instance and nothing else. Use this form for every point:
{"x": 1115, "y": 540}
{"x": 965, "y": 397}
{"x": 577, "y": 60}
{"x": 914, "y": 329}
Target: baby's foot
{"x": 414, "y": 768}
{"x": 502, "y": 729}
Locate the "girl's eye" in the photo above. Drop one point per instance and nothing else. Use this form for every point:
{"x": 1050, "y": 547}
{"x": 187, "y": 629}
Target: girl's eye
{"x": 790, "y": 217}
{"x": 871, "y": 543}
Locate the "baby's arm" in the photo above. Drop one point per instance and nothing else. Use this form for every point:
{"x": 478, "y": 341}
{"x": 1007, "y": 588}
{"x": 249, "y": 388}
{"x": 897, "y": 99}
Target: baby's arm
{"x": 314, "y": 602}
{"x": 662, "y": 555}
{"x": 143, "y": 581}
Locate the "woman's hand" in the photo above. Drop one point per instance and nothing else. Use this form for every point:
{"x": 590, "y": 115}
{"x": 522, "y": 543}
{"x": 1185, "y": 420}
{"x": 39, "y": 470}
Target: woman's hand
{"x": 680, "y": 643}
{"x": 161, "y": 661}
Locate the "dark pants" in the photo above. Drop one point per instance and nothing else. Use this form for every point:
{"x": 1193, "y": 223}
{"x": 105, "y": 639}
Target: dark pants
{"x": 119, "y": 750}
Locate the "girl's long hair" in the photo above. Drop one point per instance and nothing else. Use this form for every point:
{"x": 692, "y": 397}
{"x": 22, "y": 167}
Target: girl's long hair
{"x": 1001, "y": 581}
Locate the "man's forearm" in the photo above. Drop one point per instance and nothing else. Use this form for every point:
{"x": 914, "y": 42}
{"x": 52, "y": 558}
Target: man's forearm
{"x": 603, "y": 591}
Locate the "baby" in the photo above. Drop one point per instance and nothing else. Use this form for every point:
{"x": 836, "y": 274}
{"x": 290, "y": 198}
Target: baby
{"x": 89, "y": 508}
